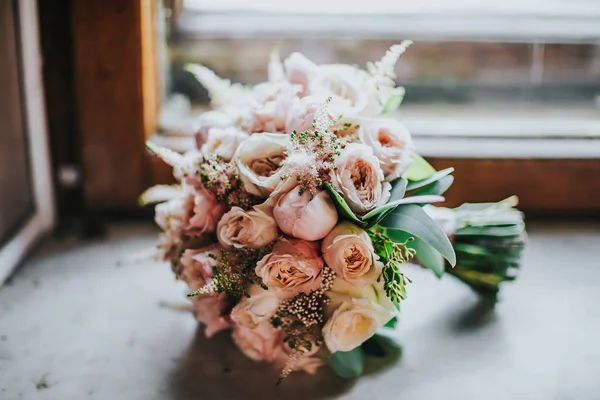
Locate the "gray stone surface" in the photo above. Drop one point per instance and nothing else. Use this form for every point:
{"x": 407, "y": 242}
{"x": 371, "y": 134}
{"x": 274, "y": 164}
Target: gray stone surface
{"x": 73, "y": 320}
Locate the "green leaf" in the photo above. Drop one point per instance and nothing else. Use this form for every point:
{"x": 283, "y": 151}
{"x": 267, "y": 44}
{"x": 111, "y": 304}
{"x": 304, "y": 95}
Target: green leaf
{"x": 420, "y": 169}
{"x": 412, "y": 219}
{"x": 381, "y": 346}
{"x": 428, "y": 257}
{"x": 340, "y": 204}
{"x": 398, "y": 189}
{"x": 500, "y": 231}
{"x": 348, "y": 364}
{"x": 391, "y": 323}
{"x": 427, "y": 181}
{"x": 407, "y": 200}
{"x": 394, "y": 101}
{"x": 436, "y": 188}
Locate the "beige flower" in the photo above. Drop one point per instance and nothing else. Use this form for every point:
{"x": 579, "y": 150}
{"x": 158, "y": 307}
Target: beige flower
{"x": 260, "y": 160}
{"x": 239, "y": 228}
{"x": 294, "y": 266}
{"x": 259, "y": 307}
{"x": 360, "y": 178}
{"x": 348, "y": 250}
{"x": 353, "y": 322}
{"x": 223, "y": 142}
{"x": 259, "y": 343}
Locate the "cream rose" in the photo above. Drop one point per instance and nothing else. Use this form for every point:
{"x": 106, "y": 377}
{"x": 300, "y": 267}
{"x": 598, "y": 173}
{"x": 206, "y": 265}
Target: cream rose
{"x": 304, "y": 216}
{"x": 239, "y": 228}
{"x": 294, "y": 266}
{"x": 299, "y": 70}
{"x": 391, "y": 143}
{"x": 223, "y": 142}
{"x": 360, "y": 178}
{"x": 260, "y": 160}
{"x": 353, "y": 322}
{"x": 259, "y": 343}
{"x": 259, "y": 307}
{"x": 348, "y": 250}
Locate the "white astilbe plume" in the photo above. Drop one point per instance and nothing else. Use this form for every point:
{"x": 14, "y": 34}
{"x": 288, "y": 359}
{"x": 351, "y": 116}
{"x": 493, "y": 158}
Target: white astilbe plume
{"x": 322, "y": 121}
{"x": 169, "y": 156}
{"x": 160, "y": 193}
{"x": 222, "y": 92}
{"x": 383, "y": 70}
{"x": 275, "y": 71}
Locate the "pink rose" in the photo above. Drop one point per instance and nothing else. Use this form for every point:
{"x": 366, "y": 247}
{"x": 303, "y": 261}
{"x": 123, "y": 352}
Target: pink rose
{"x": 174, "y": 214}
{"x": 258, "y": 344}
{"x": 207, "y": 212}
{"x": 299, "y": 70}
{"x": 260, "y": 306}
{"x": 209, "y": 310}
{"x": 294, "y": 266}
{"x": 307, "y": 361}
{"x": 303, "y": 217}
{"x": 272, "y": 103}
{"x": 198, "y": 265}
{"x": 209, "y": 120}
{"x": 223, "y": 142}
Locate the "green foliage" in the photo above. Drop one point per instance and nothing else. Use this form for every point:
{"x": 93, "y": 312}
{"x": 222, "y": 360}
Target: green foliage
{"x": 342, "y": 207}
{"x": 394, "y": 101}
{"x": 348, "y": 364}
{"x": 392, "y": 254}
{"x": 381, "y": 346}
{"x": 420, "y": 169}
{"x": 429, "y": 180}
{"x": 413, "y": 220}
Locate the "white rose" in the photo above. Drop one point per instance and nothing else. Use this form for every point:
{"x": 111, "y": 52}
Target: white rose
{"x": 208, "y": 120}
{"x": 175, "y": 213}
{"x": 259, "y": 307}
{"x": 304, "y": 216}
{"x": 299, "y": 70}
{"x": 271, "y": 105}
{"x": 260, "y": 160}
{"x": 360, "y": 179}
{"x": 223, "y": 142}
{"x": 239, "y": 228}
{"x": 352, "y": 323}
{"x": 348, "y": 250}
{"x": 391, "y": 143}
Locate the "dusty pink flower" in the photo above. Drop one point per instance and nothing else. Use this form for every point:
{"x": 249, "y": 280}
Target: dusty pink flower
{"x": 271, "y": 106}
{"x": 223, "y": 142}
{"x": 207, "y": 212}
{"x": 209, "y": 310}
{"x": 294, "y": 266}
{"x": 259, "y": 343}
{"x": 198, "y": 265}
{"x": 304, "y": 216}
{"x": 307, "y": 361}
{"x": 174, "y": 214}
{"x": 259, "y": 307}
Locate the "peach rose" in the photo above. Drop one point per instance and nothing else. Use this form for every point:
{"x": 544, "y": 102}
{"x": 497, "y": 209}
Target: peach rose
{"x": 348, "y": 250}
{"x": 391, "y": 143}
{"x": 304, "y": 216}
{"x": 308, "y": 361}
{"x": 239, "y": 228}
{"x": 198, "y": 265}
{"x": 360, "y": 179}
{"x": 259, "y": 343}
{"x": 260, "y": 160}
{"x": 294, "y": 266}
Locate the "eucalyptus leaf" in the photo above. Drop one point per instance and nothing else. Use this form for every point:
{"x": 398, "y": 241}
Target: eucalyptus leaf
{"x": 438, "y": 188}
{"x": 427, "y": 181}
{"x": 412, "y": 219}
{"x": 340, "y": 204}
{"x": 507, "y": 230}
{"x": 381, "y": 346}
{"x": 348, "y": 364}
{"x": 391, "y": 323}
{"x": 407, "y": 200}
{"x": 398, "y": 189}
{"x": 428, "y": 257}
{"x": 420, "y": 169}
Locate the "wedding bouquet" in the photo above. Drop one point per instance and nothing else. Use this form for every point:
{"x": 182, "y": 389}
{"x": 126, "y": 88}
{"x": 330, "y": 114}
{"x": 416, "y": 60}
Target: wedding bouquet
{"x": 294, "y": 215}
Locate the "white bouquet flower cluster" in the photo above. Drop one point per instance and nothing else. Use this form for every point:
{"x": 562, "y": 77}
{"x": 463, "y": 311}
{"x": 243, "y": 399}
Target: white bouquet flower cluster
{"x": 295, "y": 212}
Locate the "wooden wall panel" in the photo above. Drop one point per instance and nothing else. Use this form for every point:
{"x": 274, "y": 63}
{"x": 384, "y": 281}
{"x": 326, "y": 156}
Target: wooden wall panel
{"x": 113, "y": 117}
{"x": 543, "y": 186}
